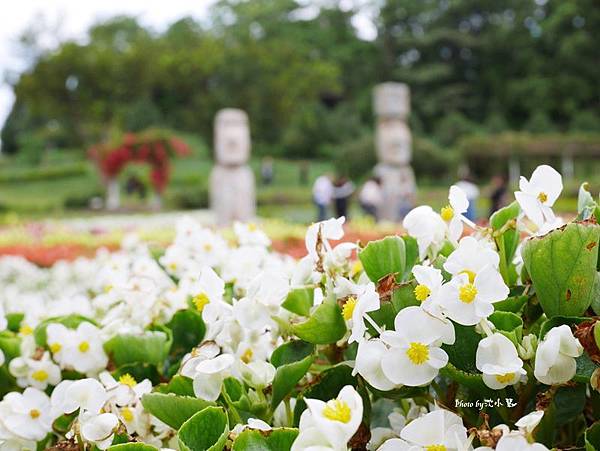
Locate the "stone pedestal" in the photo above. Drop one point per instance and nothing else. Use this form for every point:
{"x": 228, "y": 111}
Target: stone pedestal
{"x": 232, "y": 188}
{"x": 113, "y": 195}
{"x": 393, "y": 143}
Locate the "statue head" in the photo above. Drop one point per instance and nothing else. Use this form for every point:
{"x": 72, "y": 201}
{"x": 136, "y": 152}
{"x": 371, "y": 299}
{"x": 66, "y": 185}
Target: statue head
{"x": 232, "y": 137}
{"x": 392, "y": 100}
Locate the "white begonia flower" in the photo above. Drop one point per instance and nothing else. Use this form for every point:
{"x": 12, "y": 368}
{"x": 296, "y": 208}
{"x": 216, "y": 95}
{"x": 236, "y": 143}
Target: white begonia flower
{"x": 453, "y": 214}
{"x": 470, "y": 257}
{"x": 361, "y": 299}
{"x": 80, "y": 349}
{"x": 126, "y": 390}
{"x": 331, "y": 229}
{"x": 415, "y": 356}
{"x": 397, "y": 444}
{"x": 27, "y": 415}
{"x": 529, "y": 422}
{"x": 498, "y": 360}
{"x": 438, "y": 430}
{"x": 2, "y": 358}
{"x": 3, "y": 321}
{"x": 99, "y": 429}
{"x": 209, "y": 374}
{"x": 337, "y": 419}
{"x": 250, "y": 235}
{"x": 429, "y": 282}
{"x": 514, "y": 441}
{"x": 257, "y": 374}
{"x": 336, "y": 261}
{"x": 427, "y": 227}
{"x": 468, "y": 302}
{"x": 269, "y": 288}
{"x": 208, "y": 294}
{"x": 555, "y": 356}
{"x": 35, "y": 373}
{"x": 538, "y": 194}
{"x": 258, "y": 424}
{"x": 86, "y": 394}
{"x": 368, "y": 364}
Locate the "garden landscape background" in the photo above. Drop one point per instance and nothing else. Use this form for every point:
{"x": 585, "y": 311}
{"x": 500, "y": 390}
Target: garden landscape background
{"x": 490, "y": 82}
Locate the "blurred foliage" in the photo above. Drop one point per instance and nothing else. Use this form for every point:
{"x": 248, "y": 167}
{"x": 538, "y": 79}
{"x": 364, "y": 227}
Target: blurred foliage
{"x": 473, "y": 66}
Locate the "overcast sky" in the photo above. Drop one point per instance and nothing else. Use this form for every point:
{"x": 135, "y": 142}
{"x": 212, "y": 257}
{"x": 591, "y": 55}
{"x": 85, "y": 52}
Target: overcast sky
{"x": 73, "y": 17}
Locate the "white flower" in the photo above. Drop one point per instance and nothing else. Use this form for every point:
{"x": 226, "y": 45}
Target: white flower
{"x": 514, "y": 441}
{"x": 126, "y": 390}
{"x": 538, "y": 194}
{"x": 27, "y": 415}
{"x": 332, "y": 229}
{"x": 468, "y": 302}
{"x": 208, "y": 294}
{"x": 208, "y": 375}
{"x": 99, "y": 429}
{"x": 85, "y": 394}
{"x": 440, "y": 428}
{"x": 452, "y": 214}
{"x": 3, "y": 321}
{"x": 35, "y": 373}
{"x": 80, "y": 349}
{"x": 429, "y": 282}
{"x": 255, "y": 423}
{"x": 427, "y": 227}
{"x": 257, "y": 374}
{"x": 335, "y": 421}
{"x": 529, "y": 422}
{"x": 368, "y": 364}
{"x": 499, "y": 362}
{"x": 270, "y": 288}
{"x": 470, "y": 257}
{"x": 555, "y": 356}
{"x": 361, "y": 299}
{"x": 250, "y": 235}
{"x": 415, "y": 356}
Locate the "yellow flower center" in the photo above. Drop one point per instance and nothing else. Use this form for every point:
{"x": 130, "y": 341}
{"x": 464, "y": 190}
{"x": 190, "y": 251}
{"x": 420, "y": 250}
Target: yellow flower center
{"x": 84, "y": 346}
{"x": 418, "y": 353}
{"x": 467, "y": 293}
{"x": 172, "y": 266}
{"x": 422, "y": 292}
{"x": 336, "y": 410}
{"x": 207, "y": 247}
{"x": 447, "y": 213}
{"x": 200, "y": 301}
{"x": 127, "y": 379}
{"x": 435, "y": 448}
{"x": 25, "y": 330}
{"x": 55, "y": 347}
{"x": 348, "y": 308}
{"x": 39, "y": 375}
{"x": 357, "y": 267}
{"x": 505, "y": 378}
{"x": 127, "y": 414}
{"x": 542, "y": 197}
{"x": 252, "y": 227}
{"x": 34, "y": 413}
{"x": 470, "y": 275}
{"x": 247, "y": 356}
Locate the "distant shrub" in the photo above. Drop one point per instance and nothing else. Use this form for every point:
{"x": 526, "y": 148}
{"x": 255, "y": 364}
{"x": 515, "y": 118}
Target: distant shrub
{"x": 43, "y": 173}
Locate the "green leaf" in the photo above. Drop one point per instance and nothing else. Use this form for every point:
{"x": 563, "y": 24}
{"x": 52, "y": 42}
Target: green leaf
{"x": 286, "y": 378}
{"x": 291, "y": 352}
{"x": 171, "y": 409}
{"x": 382, "y": 257}
{"x": 592, "y": 437}
{"x": 569, "y": 402}
{"x": 505, "y": 214}
{"x": 188, "y": 331}
{"x": 10, "y": 345}
{"x": 69, "y": 321}
{"x": 132, "y": 447}
{"x": 326, "y": 325}
{"x": 507, "y": 237}
{"x": 412, "y": 255}
{"x": 207, "y": 430}
{"x": 7, "y": 381}
{"x": 150, "y": 347}
{"x": 562, "y": 266}
{"x": 509, "y": 324}
{"x": 14, "y": 321}
{"x": 469, "y": 380}
{"x": 179, "y": 385}
{"x": 279, "y": 439}
{"x": 462, "y": 353}
{"x": 513, "y": 304}
{"x": 559, "y": 321}
{"x": 300, "y": 301}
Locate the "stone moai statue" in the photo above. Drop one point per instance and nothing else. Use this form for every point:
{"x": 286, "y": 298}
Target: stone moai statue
{"x": 232, "y": 192}
{"x": 393, "y": 143}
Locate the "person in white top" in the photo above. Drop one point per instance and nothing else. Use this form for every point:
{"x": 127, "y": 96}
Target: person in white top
{"x": 371, "y": 197}
{"x": 322, "y": 194}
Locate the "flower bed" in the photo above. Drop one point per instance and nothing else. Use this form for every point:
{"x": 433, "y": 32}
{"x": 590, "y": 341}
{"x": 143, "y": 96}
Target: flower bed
{"x": 427, "y": 341}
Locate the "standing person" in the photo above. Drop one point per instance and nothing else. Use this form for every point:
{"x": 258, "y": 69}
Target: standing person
{"x": 371, "y": 197}
{"x": 342, "y": 191}
{"x": 322, "y": 194}
{"x": 498, "y": 193}
{"x": 471, "y": 190}
{"x": 266, "y": 170}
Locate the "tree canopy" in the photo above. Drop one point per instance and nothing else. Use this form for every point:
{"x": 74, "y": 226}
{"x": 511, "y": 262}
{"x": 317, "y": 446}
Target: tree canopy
{"x": 306, "y": 83}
